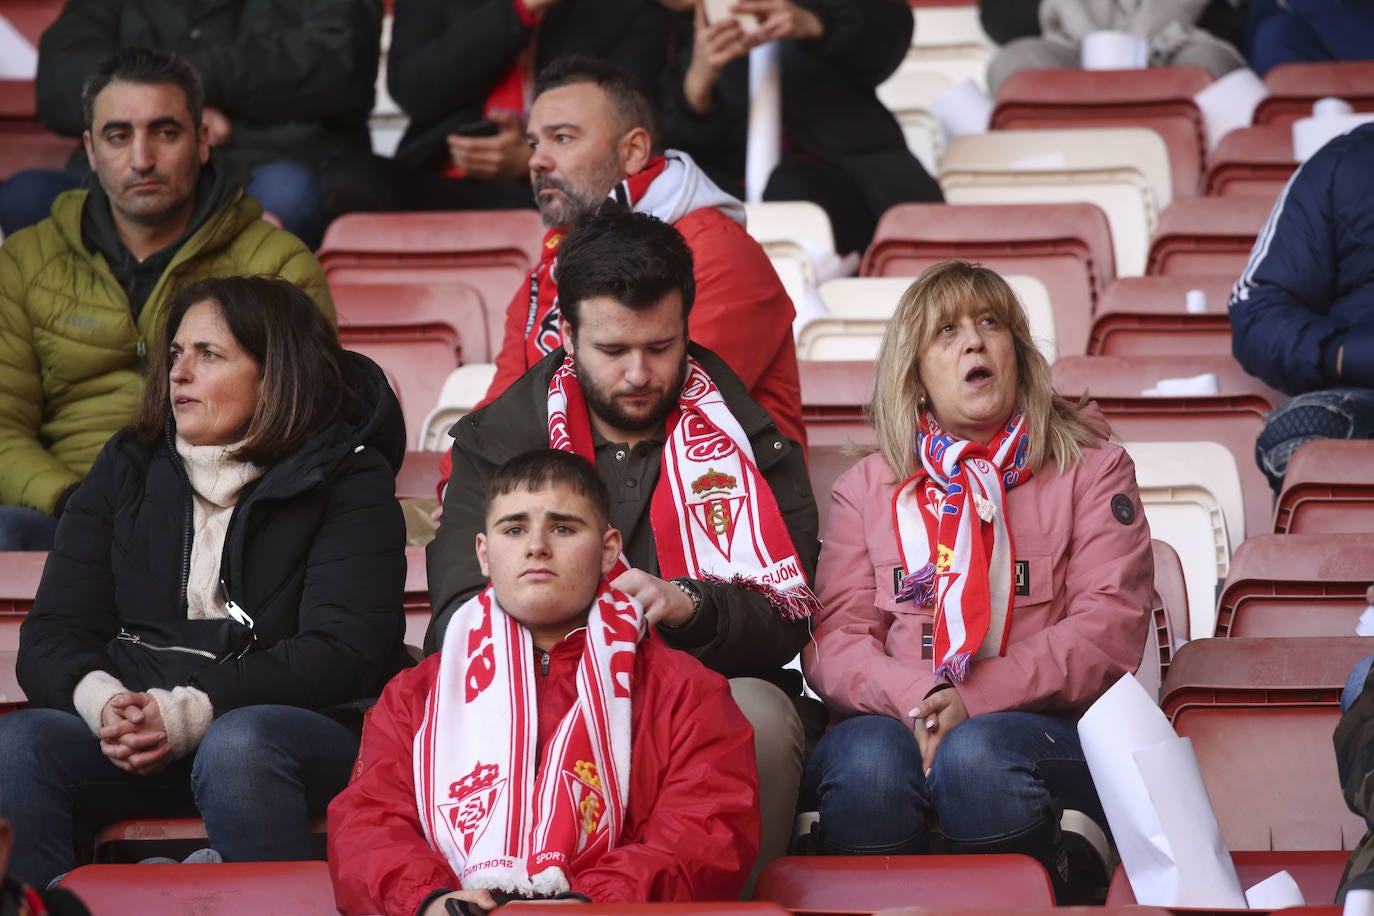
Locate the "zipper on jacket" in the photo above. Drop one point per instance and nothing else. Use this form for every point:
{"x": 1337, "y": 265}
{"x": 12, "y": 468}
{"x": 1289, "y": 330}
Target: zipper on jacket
{"x": 187, "y": 523}
{"x": 137, "y": 640}
{"x": 544, "y": 663}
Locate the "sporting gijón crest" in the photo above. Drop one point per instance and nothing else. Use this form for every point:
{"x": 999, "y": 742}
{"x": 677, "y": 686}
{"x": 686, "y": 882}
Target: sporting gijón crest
{"x": 473, "y": 797}
{"x": 719, "y": 499}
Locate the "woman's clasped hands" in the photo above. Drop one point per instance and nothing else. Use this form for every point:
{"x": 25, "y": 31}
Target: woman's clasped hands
{"x": 132, "y": 734}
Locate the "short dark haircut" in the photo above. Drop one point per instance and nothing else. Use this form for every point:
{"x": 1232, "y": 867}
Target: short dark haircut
{"x": 549, "y": 467}
{"x": 631, "y": 257}
{"x": 300, "y": 361}
{"x": 149, "y": 67}
{"x": 627, "y": 97}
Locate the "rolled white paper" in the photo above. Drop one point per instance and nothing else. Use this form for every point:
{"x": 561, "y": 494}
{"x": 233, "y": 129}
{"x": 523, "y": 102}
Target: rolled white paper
{"x": 963, "y": 108}
{"x": 764, "y": 146}
{"x": 1229, "y": 102}
{"x": 1196, "y": 302}
{"x": 1112, "y": 50}
{"x": 1276, "y": 892}
{"x": 18, "y": 59}
{"x": 1358, "y": 903}
{"x": 1205, "y": 384}
{"x": 1311, "y": 134}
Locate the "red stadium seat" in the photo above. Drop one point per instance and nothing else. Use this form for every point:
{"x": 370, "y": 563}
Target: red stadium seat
{"x": 1207, "y": 235}
{"x": 419, "y": 476}
{"x": 1251, "y": 162}
{"x": 491, "y": 251}
{"x": 1260, "y": 713}
{"x": 1169, "y": 616}
{"x": 130, "y": 841}
{"x": 835, "y": 395}
{"x": 1144, "y": 316}
{"x": 864, "y": 884}
{"x": 1296, "y": 585}
{"x": 1294, "y": 87}
{"x": 224, "y": 889}
{"x": 1234, "y": 418}
{"x": 956, "y": 910}
{"x": 1067, "y": 246}
{"x": 416, "y": 599}
{"x": 457, "y": 306}
{"x": 416, "y": 359}
{"x": 1316, "y": 871}
{"x": 31, "y": 18}
{"x": 1328, "y": 489}
{"x": 1160, "y": 98}
{"x": 24, "y": 142}
{"x": 713, "y": 908}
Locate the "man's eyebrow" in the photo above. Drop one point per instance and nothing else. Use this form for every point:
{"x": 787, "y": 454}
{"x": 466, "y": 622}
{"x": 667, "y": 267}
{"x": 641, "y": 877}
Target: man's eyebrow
{"x": 511, "y": 517}
{"x": 566, "y": 517}
{"x": 116, "y": 125}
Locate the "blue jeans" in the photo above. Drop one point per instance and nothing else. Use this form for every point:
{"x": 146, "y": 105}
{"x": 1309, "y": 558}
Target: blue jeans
{"x": 288, "y": 190}
{"x": 1000, "y": 783}
{"x": 259, "y": 775}
{"x": 1354, "y": 685}
{"x": 1336, "y": 413}
{"x": 22, "y": 528}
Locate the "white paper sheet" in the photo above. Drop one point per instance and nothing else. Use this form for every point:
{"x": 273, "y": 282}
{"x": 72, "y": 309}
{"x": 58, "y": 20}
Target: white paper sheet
{"x": 18, "y": 59}
{"x": 764, "y": 146}
{"x": 1156, "y": 803}
{"x": 1276, "y": 892}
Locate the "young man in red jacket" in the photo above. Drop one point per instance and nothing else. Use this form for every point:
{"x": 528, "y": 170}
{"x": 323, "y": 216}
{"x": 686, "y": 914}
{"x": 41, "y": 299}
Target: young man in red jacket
{"x": 553, "y": 748}
{"x": 594, "y": 135}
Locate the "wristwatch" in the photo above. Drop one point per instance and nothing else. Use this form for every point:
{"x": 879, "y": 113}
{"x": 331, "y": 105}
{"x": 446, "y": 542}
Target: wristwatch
{"x": 689, "y": 588}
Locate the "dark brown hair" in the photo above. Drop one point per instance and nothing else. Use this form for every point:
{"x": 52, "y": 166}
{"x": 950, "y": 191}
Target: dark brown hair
{"x": 148, "y": 67}
{"x": 548, "y": 467}
{"x": 298, "y": 355}
{"x": 628, "y": 99}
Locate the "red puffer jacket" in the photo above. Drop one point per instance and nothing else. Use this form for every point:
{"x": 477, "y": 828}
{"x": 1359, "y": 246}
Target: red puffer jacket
{"x": 692, "y": 822}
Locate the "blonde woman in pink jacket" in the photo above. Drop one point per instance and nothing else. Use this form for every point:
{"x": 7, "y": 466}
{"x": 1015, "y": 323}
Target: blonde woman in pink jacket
{"x": 985, "y": 576}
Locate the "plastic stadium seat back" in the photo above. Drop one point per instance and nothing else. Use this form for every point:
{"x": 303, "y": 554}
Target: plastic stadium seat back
{"x": 130, "y": 841}
{"x": 1122, "y": 170}
{"x": 865, "y": 884}
{"x": 416, "y": 598}
{"x": 1171, "y": 595}
{"x": 416, "y": 360}
{"x": 1238, "y": 700}
{"x": 24, "y": 142}
{"x": 1192, "y": 497}
{"x": 1254, "y": 161}
{"x": 1207, "y": 235}
{"x": 1148, "y": 316}
{"x": 31, "y": 18}
{"x": 1316, "y": 871}
{"x": 1234, "y": 417}
{"x": 223, "y": 889}
{"x": 1328, "y": 489}
{"x": 1067, "y": 247}
{"x": 824, "y": 465}
{"x": 456, "y": 306}
{"x": 834, "y": 396}
{"x": 1294, "y": 87}
{"x": 20, "y": 573}
{"x": 955, "y": 910}
{"x": 419, "y": 476}
{"x": 714, "y": 908}
{"x": 461, "y": 392}
{"x": 1296, "y": 585}
{"x": 490, "y": 250}
{"x": 1160, "y": 98}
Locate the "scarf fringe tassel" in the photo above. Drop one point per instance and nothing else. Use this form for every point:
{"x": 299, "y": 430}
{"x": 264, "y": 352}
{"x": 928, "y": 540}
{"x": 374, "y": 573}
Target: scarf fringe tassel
{"x": 793, "y": 604}
{"x": 919, "y": 586}
{"x": 955, "y": 669}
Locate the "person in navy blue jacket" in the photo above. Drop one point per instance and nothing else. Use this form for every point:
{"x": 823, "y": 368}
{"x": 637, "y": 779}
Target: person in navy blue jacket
{"x": 1302, "y": 313}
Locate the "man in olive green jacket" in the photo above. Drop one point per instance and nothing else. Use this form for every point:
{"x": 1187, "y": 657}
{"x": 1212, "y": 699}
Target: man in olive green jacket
{"x": 84, "y": 291}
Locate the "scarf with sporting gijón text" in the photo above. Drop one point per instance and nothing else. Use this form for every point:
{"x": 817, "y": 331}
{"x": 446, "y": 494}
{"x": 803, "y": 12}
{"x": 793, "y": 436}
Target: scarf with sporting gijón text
{"x": 713, "y": 515}
{"x": 501, "y": 822}
{"x": 952, "y": 532}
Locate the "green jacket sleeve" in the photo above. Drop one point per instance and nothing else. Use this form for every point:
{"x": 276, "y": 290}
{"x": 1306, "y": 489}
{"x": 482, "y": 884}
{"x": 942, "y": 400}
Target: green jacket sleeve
{"x": 31, "y": 476}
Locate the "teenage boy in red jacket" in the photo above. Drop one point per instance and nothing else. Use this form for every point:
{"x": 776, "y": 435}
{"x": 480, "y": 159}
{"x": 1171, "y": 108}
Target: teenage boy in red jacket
{"x": 552, "y": 748}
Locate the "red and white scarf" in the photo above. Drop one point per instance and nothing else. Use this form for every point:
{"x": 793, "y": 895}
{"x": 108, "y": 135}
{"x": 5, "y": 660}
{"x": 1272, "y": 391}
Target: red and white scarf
{"x": 501, "y": 822}
{"x": 669, "y": 187}
{"x": 952, "y": 533}
{"x": 713, "y": 515}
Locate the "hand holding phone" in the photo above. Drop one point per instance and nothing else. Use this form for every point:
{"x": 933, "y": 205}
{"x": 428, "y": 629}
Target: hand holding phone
{"x": 717, "y": 10}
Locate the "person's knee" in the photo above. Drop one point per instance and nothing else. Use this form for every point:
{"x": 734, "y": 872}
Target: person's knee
{"x": 22, "y": 528}
{"x": 236, "y": 748}
{"x": 291, "y": 192}
{"x": 878, "y": 753}
{"x": 778, "y": 733}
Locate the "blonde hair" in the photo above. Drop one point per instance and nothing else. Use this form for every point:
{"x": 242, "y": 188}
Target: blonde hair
{"x": 940, "y": 294}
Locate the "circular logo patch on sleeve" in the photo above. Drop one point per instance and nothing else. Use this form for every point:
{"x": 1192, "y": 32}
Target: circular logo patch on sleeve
{"x": 1123, "y": 508}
